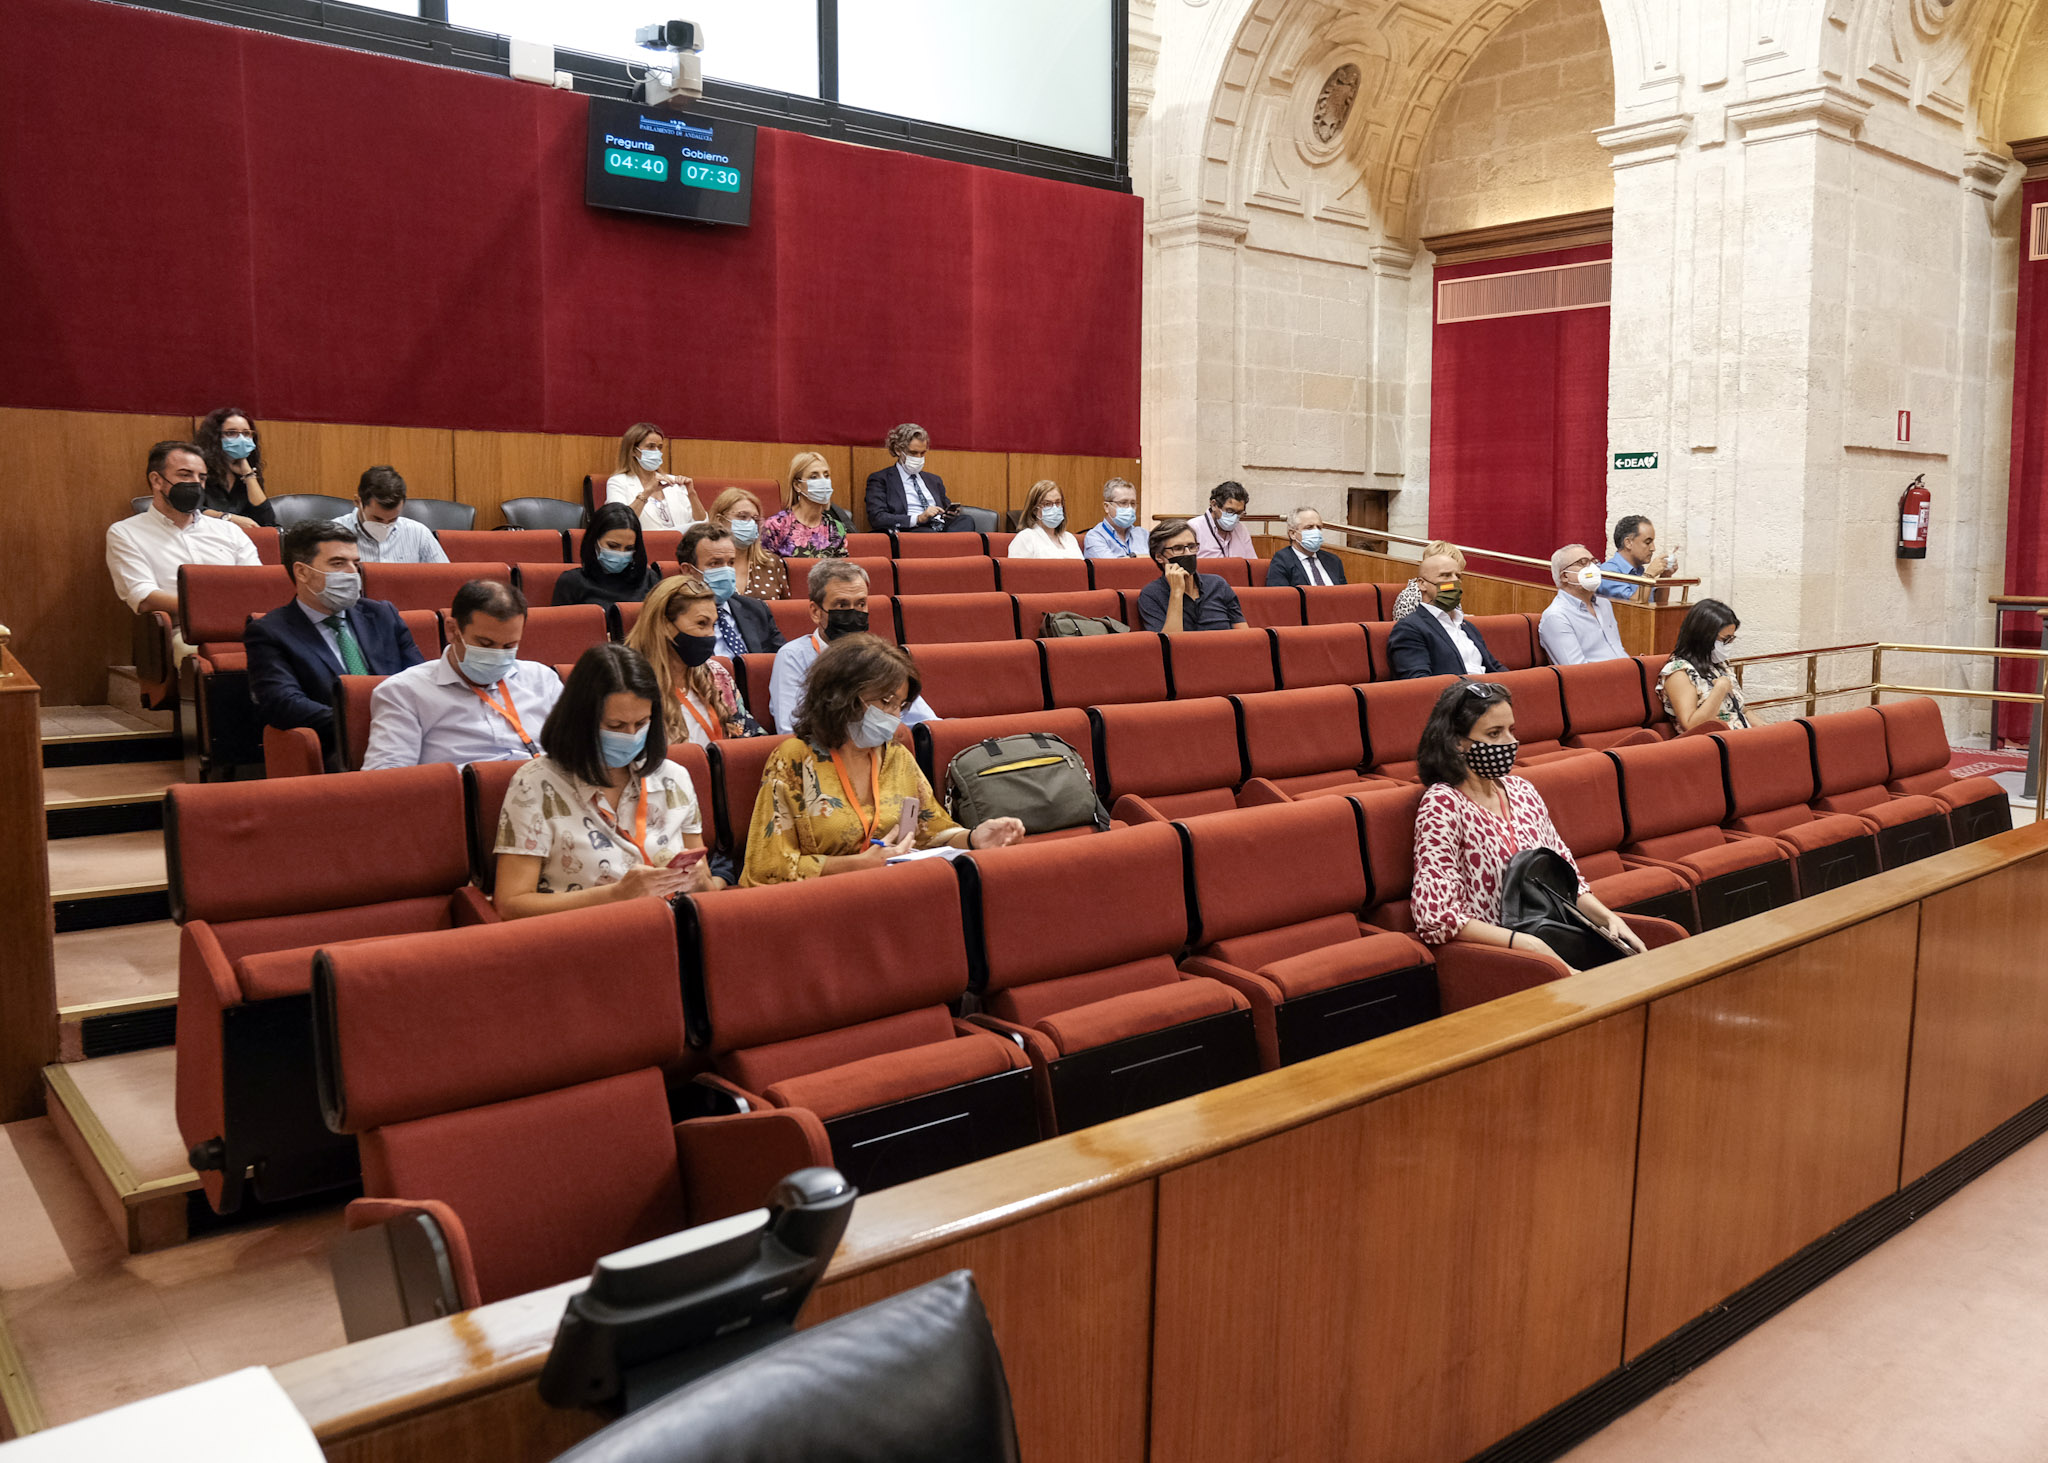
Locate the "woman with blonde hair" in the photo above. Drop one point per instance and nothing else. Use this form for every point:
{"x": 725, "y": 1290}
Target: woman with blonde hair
{"x": 806, "y": 529}
{"x": 661, "y": 500}
{"x": 1041, "y": 531}
{"x": 677, "y": 634}
{"x": 762, "y": 574}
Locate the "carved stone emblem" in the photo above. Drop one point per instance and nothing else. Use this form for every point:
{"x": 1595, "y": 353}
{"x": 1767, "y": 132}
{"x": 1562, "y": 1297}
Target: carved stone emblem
{"x": 1334, "y": 105}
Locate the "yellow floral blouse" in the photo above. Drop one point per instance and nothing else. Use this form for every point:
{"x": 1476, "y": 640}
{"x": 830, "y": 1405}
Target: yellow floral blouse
{"x": 803, "y": 814}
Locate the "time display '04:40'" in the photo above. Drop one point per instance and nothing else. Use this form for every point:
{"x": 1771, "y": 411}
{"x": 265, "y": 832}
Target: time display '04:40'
{"x": 636, "y": 164}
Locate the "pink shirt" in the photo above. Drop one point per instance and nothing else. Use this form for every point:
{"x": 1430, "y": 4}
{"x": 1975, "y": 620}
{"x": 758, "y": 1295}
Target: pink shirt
{"x": 1209, "y": 544}
{"x": 1461, "y": 851}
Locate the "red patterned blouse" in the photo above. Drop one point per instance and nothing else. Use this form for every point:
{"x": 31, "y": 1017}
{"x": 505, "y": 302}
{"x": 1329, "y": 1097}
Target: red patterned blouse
{"x": 1461, "y": 851}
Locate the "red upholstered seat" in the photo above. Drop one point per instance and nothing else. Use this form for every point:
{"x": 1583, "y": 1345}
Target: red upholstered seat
{"x": 1103, "y": 670}
{"x": 1675, "y": 801}
{"x": 1305, "y": 741}
{"x": 1322, "y": 655}
{"x": 1539, "y": 715}
{"x": 1511, "y": 638}
{"x": 1108, "y": 981}
{"x": 1219, "y": 664}
{"x": 938, "y": 742}
{"x": 1916, "y": 744}
{"x": 1395, "y": 714}
{"x": 1232, "y": 571}
{"x": 997, "y": 545}
{"x": 526, "y": 1113}
{"x": 558, "y": 633}
{"x": 215, "y": 601}
{"x": 1341, "y": 604}
{"x": 1584, "y": 798}
{"x": 1128, "y": 575}
{"x": 938, "y": 545}
{"x": 1770, "y": 781}
{"x": 995, "y": 678}
{"x": 501, "y": 545}
{"x": 260, "y": 874}
{"x": 1852, "y": 764}
{"x": 946, "y": 619}
{"x": 871, "y": 545}
{"x": 1041, "y": 576}
{"x": 975, "y": 575}
{"x": 1269, "y": 606}
{"x": 1168, "y": 759}
{"x": 736, "y": 764}
{"x": 881, "y": 576}
{"x": 292, "y": 752}
{"x": 1096, "y": 604}
{"x": 536, "y": 580}
{"x": 427, "y": 586}
{"x": 1660, "y": 721}
{"x": 266, "y": 541}
{"x": 752, "y": 675}
{"x": 1606, "y": 704}
{"x": 1278, "y": 892}
{"x": 797, "y": 982}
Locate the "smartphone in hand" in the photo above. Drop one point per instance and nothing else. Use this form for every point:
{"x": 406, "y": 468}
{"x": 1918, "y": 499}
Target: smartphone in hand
{"x": 687, "y": 859}
{"x": 906, "y": 822}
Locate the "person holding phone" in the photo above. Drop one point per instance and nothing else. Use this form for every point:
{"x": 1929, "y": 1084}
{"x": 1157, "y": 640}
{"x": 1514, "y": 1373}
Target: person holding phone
{"x": 602, "y": 815}
{"x": 843, "y": 794}
{"x": 903, "y": 497}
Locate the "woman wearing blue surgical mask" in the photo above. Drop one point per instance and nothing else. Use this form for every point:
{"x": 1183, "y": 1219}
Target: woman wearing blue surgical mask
{"x": 660, "y": 499}
{"x": 234, "y": 469}
{"x": 1041, "y": 527}
{"x": 807, "y": 528}
{"x": 602, "y": 815}
{"x": 614, "y": 567}
{"x": 762, "y": 575}
{"x": 832, "y": 796}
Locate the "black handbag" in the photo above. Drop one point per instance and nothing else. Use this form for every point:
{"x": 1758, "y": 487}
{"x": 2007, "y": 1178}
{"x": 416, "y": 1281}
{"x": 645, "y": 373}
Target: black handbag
{"x": 1539, "y": 896}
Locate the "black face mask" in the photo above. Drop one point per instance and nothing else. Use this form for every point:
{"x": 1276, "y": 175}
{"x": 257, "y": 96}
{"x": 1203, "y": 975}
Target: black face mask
{"x": 845, "y": 622}
{"x": 1183, "y": 562}
{"x": 693, "y": 650}
{"x": 184, "y": 497}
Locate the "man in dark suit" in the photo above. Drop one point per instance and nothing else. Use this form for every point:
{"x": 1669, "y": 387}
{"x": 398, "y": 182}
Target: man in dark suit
{"x": 297, "y": 653}
{"x": 1437, "y": 640}
{"x": 1304, "y": 561}
{"x": 744, "y": 624}
{"x": 904, "y": 498}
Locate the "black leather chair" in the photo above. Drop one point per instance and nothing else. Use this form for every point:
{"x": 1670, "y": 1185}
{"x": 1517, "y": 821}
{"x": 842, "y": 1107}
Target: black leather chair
{"x": 558, "y": 514}
{"x": 440, "y": 514}
{"x": 915, "y": 1378}
{"x": 985, "y": 519}
{"x": 293, "y": 508}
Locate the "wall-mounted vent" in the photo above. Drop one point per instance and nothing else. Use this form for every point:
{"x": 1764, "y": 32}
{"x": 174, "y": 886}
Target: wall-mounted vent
{"x": 2037, "y": 231}
{"x": 1525, "y": 292}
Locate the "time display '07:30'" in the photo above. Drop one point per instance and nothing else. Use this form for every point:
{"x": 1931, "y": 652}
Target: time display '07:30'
{"x": 707, "y": 175}
{"x": 636, "y": 164}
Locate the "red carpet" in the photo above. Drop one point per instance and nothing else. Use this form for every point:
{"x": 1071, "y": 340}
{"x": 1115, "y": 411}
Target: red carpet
{"x": 1977, "y": 762}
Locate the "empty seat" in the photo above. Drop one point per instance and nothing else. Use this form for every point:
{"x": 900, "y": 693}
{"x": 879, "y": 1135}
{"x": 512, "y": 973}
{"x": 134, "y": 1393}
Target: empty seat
{"x": 556, "y": 634}
{"x": 1221, "y": 663}
{"x": 426, "y": 586}
{"x": 736, "y": 765}
{"x": 1337, "y": 604}
{"x": 262, "y": 873}
{"x": 996, "y": 544}
{"x": 293, "y": 508}
{"x": 1321, "y": 655}
{"x": 1100, "y": 670}
{"x": 524, "y": 1115}
{"x": 1675, "y": 802}
{"x": 1096, "y": 604}
{"x": 870, "y": 545}
{"x": 997, "y": 678}
{"x": 1916, "y": 744}
{"x": 1511, "y": 638}
{"x": 856, "y": 1027}
{"x": 1770, "y": 782}
{"x": 946, "y": 576}
{"x": 537, "y": 581}
{"x": 1111, "y": 1025}
{"x": 937, "y": 545}
{"x": 1167, "y": 760}
{"x": 1539, "y": 715}
{"x": 1232, "y": 571}
{"x": 881, "y": 577}
{"x": 1128, "y": 575}
{"x": 1395, "y": 714}
{"x": 1042, "y": 576}
{"x": 1279, "y": 891}
{"x": 1302, "y": 742}
{"x": 1606, "y": 704}
{"x": 557, "y": 515}
{"x": 1852, "y": 765}
{"x": 752, "y": 675}
{"x": 1660, "y": 722}
{"x": 216, "y": 601}
{"x": 442, "y": 515}
{"x": 946, "y": 619}
{"x": 1584, "y": 798}
{"x": 268, "y": 550}
{"x": 1269, "y": 606}
{"x": 517, "y": 546}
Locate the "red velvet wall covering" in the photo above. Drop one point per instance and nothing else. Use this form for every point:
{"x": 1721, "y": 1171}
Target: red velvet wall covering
{"x": 2026, "y": 510}
{"x": 324, "y": 235}
{"x": 1518, "y": 423}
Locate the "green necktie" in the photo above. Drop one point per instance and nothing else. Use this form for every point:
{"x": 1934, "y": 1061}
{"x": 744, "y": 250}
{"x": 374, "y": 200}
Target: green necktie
{"x": 352, "y": 660}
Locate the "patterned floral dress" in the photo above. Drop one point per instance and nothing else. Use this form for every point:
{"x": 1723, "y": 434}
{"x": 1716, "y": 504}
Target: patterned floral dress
{"x": 551, "y": 816}
{"x": 1461, "y": 851}
{"x": 792, "y": 538}
{"x": 803, "y": 814}
{"x": 1732, "y": 712}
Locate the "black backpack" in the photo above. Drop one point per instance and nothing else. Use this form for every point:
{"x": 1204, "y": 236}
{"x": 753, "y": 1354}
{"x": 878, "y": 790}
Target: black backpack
{"x": 1540, "y": 897}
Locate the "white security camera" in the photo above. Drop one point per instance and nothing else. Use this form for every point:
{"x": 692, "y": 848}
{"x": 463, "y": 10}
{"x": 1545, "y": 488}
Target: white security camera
{"x": 671, "y": 35}
{"x": 683, "y": 81}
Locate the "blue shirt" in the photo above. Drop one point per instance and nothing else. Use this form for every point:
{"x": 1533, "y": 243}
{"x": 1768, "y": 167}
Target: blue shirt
{"x": 1104, "y": 541}
{"x": 1614, "y": 589}
{"x": 1217, "y": 609}
{"x": 1577, "y": 633}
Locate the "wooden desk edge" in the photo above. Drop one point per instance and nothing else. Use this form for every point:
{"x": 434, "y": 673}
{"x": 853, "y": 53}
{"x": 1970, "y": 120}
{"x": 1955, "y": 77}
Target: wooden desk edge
{"x": 505, "y": 1343}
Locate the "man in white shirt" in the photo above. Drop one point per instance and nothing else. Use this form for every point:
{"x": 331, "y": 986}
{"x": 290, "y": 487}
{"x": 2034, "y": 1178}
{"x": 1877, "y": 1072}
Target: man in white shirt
{"x": 383, "y": 533}
{"x": 1578, "y": 626}
{"x": 477, "y": 703}
{"x": 145, "y": 550}
{"x": 839, "y": 606}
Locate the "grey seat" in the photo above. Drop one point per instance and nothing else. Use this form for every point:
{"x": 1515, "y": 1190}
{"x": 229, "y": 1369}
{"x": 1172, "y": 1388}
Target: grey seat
{"x": 982, "y": 518}
{"x": 293, "y": 508}
{"x": 440, "y": 514}
{"x": 558, "y": 514}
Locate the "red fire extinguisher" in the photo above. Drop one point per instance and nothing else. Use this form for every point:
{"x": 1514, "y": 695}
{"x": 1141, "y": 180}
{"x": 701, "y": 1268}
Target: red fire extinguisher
{"x": 1913, "y": 509}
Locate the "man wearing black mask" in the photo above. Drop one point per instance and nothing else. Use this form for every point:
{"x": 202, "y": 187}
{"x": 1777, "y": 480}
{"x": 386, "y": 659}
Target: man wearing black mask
{"x": 146, "y": 549}
{"x": 839, "y": 606}
{"x": 1180, "y": 598}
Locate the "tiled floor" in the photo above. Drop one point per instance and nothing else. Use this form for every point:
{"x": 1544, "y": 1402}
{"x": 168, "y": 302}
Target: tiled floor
{"x": 122, "y": 963}
{"x": 1930, "y": 1349}
{"x": 99, "y": 721}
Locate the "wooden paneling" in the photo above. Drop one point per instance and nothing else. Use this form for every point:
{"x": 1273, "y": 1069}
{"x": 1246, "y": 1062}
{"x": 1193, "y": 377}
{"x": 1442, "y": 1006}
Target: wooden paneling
{"x": 329, "y": 457}
{"x": 1772, "y": 1105}
{"x": 1080, "y": 480}
{"x": 28, "y": 979}
{"x": 74, "y": 473}
{"x": 980, "y": 478}
{"x": 491, "y": 467}
{"x": 509, "y": 1426}
{"x": 1078, "y": 1377}
{"x": 1649, "y": 629}
{"x": 1980, "y": 1022}
{"x": 1411, "y": 1279}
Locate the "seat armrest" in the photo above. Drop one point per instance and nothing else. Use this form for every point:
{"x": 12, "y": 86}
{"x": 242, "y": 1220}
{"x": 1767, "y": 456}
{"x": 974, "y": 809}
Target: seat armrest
{"x": 739, "y": 1100}
{"x": 1262, "y": 993}
{"x": 731, "y": 1164}
{"x": 376, "y": 1282}
{"x": 1470, "y": 974}
{"x": 469, "y": 905}
{"x": 292, "y": 751}
{"x": 1034, "y": 1044}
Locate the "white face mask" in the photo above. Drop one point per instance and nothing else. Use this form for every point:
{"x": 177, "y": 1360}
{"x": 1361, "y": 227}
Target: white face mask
{"x": 1589, "y": 577}
{"x": 915, "y": 464}
{"x": 650, "y": 458}
{"x": 378, "y": 532}
{"x": 818, "y": 490}
{"x": 1721, "y": 649}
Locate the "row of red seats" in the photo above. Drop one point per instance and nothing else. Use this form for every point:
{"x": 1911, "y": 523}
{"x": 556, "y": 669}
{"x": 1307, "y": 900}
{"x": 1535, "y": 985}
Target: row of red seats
{"x": 554, "y": 546}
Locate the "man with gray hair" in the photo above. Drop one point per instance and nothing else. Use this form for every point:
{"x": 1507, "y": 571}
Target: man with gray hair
{"x": 904, "y": 498}
{"x": 1578, "y": 627}
{"x": 1305, "y": 562}
{"x": 839, "y": 606}
{"x": 1119, "y": 535}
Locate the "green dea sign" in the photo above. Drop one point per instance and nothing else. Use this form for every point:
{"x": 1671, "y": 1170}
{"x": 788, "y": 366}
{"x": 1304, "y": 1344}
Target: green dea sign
{"x": 1635, "y": 459}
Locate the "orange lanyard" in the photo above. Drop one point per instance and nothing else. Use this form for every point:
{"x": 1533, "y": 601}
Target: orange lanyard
{"x": 817, "y": 645}
{"x": 712, "y": 732}
{"x": 867, "y": 820}
{"x": 638, "y": 841}
{"x": 509, "y": 711}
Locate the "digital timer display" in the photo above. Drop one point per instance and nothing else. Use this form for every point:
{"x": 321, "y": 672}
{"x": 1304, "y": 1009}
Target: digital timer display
{"x": 675, "y": 164}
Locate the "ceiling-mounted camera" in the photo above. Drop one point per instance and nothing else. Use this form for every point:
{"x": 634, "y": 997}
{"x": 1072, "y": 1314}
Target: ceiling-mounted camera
{"x": 683, "y": 78}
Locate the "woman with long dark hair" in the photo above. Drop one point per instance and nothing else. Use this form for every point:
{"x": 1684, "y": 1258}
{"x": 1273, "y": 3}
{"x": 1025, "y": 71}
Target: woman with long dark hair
{"x": 1696, "y": 684}
{"x": 233, "y": 450}
{"x": 614, "y": 567}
